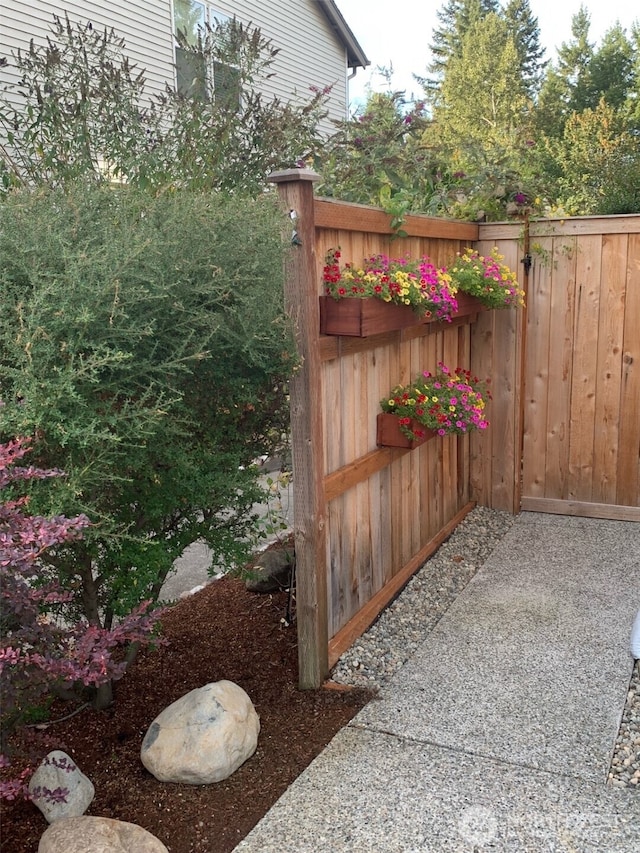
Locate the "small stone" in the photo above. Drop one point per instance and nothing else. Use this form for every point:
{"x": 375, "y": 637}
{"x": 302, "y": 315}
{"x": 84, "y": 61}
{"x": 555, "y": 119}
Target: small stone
{"x": 57, "y": 771}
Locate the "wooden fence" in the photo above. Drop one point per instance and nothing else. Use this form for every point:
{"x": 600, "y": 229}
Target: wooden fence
{"x": 566, "y": 422}
{"x": 367, "y": 517}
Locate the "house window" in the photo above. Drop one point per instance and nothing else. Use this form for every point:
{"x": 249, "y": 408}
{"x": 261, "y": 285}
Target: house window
{"x": 199, "y": 74}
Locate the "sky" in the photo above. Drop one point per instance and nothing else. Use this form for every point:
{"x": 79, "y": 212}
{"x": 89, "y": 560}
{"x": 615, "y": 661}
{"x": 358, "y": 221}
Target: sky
{"x": 397, "y": 34}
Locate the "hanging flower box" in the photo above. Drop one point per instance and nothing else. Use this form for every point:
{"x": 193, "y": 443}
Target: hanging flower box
{"x": 389, "y": 433}
{"x": 467, "y": 305}
{"x": 371, "y": 316}
{"x": 447, "y": 402}
{"x": 487, "y": 278}
{"x": 363, "y": 317}
{"x": 382, "y": 295}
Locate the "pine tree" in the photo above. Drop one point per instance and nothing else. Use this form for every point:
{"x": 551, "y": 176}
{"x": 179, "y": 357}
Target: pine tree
{"x": 611, "y": 71}
{"x": 523, "y": 28}
{"x": 482, "y": 114}
{"x": 456, "y": 17}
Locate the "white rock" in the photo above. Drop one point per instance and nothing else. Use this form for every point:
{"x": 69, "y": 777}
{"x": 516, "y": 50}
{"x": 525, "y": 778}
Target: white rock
{"x": 58, "y": 770}
{"x": 203, "y": 737}
{"x": 98, "y": 835}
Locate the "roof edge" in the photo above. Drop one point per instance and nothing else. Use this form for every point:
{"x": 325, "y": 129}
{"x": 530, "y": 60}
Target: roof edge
{"x": 356, "y": 57}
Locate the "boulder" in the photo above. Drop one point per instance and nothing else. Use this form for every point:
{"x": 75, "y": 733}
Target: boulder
{"x": 98, "y": 835}
{"x": 56, "y": 771}
{"x": 203, "y": 737}
{"x": 272, "y": 571}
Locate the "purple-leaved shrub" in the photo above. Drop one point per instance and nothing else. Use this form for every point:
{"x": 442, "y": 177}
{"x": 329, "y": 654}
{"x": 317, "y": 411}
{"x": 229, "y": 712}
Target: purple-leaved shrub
{"x": 39, "y": 654}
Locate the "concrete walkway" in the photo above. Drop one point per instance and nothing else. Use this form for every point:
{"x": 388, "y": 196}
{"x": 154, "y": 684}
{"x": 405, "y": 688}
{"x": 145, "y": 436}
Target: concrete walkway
{"x": 497, "y": 735}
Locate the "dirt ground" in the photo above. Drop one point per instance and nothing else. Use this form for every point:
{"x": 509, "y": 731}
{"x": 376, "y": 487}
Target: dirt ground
{"x": 221, "y": 632}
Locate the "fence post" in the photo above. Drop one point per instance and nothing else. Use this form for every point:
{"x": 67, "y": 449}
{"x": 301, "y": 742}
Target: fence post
{"x": 295, "y": 187}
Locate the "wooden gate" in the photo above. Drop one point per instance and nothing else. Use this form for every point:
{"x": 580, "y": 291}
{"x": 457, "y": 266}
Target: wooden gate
{"x": 579, "y": 403}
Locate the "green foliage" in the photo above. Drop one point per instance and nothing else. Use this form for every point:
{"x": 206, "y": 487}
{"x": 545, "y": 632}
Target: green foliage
{"x": 481, "y": 126}
{"x": 611, "y": 71}
{"x": 487, "y": 278}
{"x": 600, "y": 164}
{"x": 489, "y": 140}
{"x": 482, "y": 102}
{"x": 146, "y": 352}
{"x": 583, "y": 75}
{"x": 522, "y": 26}
{"x": 82, "y": 110}
{"x": 456, "y": 17}
{"x": 381, "y": 157}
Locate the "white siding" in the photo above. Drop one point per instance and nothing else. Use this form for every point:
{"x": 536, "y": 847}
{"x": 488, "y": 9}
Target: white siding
{"x": 144, "y": 24}
{"x": 310, "y": 52}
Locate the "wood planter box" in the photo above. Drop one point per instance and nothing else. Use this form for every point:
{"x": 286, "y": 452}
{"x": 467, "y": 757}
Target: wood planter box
{"x": 468, "y": 304}
{"x": 363, "y": 317}
{"x": 371, "y": 316}
{"x": 388, "y": 433}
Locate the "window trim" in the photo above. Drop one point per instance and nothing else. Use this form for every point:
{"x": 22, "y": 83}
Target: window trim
{"x": 212, "y": 16}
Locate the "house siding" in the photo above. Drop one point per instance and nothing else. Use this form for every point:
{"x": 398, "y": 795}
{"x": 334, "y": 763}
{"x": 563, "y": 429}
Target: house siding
{"x": 145, "y": 26}
{"x": 311, "y": 54}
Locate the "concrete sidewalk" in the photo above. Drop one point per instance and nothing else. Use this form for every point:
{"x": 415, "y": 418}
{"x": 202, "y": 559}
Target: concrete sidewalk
{"x": 498, "y": 734}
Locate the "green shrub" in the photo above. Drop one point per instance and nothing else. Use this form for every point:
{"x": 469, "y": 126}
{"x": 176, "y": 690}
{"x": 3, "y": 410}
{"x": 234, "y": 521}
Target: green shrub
{"x": 145, "y": 351}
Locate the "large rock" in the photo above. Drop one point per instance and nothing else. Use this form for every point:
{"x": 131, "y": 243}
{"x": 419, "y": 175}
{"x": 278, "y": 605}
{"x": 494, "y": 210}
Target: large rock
{"x": 272, "y": 571}
{"x": 202, "y": 737}
{"x": 98, "y": 835}
{"x": 59, "y": 771}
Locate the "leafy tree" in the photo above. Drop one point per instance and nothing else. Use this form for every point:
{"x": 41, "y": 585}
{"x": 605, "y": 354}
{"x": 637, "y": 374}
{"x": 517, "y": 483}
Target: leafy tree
{"x": 82, "y": 110}
{"x": 481, "y": 121}
{"x": 145, "y": 351}
{"x": 599, "y": 164}
{"x": 586, "y": 125}
{"x": 379, "y": 157}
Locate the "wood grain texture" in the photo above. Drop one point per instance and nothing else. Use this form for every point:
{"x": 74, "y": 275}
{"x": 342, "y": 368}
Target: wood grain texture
{"x": 365, "y": 617}
{"x": 579, "y": 388}
{"x": 585, "y": 509}
{"x": 358, "y": 217}
{"x": 307, "y": 442}
{"x": 628, "y": 475}
{"x": 565, "y": 414}
{"x": 582, "y": 423}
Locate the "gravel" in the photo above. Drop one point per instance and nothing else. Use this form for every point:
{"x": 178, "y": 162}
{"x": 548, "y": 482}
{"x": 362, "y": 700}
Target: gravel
{"x": 403, "y": 626}
{"x": 625, "y": 764}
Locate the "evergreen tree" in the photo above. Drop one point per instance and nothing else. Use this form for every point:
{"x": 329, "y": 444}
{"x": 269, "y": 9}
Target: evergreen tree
{"x": 632, "y": 101}
{"x": 566, "y": 87}
{"x": 456, "y": 17}
{"x": 523, "y": 28}
{"x": 611, "y": 71}
{"x": 481, "y": 119}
